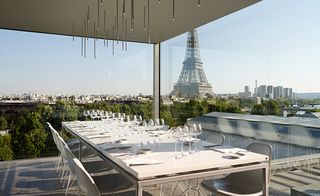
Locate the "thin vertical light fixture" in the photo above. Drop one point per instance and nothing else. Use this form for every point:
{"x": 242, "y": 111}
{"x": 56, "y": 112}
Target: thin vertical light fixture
{"x": 82, "y": 41}
{"x": 126, "y": 29}
{"x": 173, "y": 9}
{"x": 123, "y": 15}
{"x": 132, "y": 15}
{"x": 124, "y": 7}
{"x": 117, "y": 21}
{"x": 107, "y": 38}
{"x": 85, "y": 30}
{"x": 72, "y": 31}
{"x": 113, "y": 29}
{"x": 199, "y": 3}
{"x": 149, "y": 21}
{"x": 94, "y": 40}
{"x": 88, "y": 14}
{"x": 159, "y": 1}
{"x": 98, "y": 15}
{"x": 101, "y": 2}
{"x": 87, "y": 26}
{"x": 144, "y": 18}
{"x": 104, "y": 26}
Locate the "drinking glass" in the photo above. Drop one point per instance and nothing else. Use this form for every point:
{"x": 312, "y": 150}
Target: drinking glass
{"x": 157, "y": 122}
{"x": 150, "y": 123}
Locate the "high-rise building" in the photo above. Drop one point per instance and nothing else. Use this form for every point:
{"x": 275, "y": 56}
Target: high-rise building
{"x": 192, "y": 81}
{"x": 278, "y": 92}
{"x": 269, "y": 92}
{"x": 286, "y": 92}
{"x": 262, "y": 91}
{"x": 247, "y": 89}
{"x": 246, "y": 92}
{"x": 290, "y": 93}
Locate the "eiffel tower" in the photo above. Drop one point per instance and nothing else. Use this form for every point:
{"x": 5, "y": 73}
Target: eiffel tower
{"x": 192, "y": 81}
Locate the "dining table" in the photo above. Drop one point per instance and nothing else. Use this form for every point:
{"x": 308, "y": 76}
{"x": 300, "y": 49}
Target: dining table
{"x": 152, "y": 155}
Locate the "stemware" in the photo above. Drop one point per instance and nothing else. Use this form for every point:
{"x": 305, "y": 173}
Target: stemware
{"x": 178, "y": 142}
{"x": 157, "y": 122}
{"x": 162, "y": 122}
{"x": 150, "y": 123}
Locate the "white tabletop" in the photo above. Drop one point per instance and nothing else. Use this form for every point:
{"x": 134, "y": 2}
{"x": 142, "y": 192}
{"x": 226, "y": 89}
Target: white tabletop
{"x": 162, "y": 159}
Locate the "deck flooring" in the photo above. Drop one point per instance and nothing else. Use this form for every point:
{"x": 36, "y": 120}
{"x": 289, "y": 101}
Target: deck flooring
{"x": 38, "y": 177}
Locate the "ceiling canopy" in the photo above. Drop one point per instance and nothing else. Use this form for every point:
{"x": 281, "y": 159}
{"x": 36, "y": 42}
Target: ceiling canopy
{"x": 151, "y": 21}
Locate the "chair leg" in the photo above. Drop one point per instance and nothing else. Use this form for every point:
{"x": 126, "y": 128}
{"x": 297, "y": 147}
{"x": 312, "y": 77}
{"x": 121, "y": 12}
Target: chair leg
{"x": 63, "y": 171}
{"x": 58, "y": 162}
{"x": 68, "y": 184}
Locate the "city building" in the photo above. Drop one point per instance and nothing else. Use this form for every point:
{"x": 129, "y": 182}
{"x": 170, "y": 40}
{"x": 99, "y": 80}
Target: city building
{"x": 246, "y": 93}
{"x": 271, "y": 92}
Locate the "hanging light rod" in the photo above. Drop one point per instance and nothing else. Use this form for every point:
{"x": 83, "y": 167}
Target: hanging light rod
{"x": 88, "y": 14}
{"x": 173, "y": 9}
{"x": 132, "y": 15}
{"x": 199, "y": 3}
{"x": 124, "y": 7}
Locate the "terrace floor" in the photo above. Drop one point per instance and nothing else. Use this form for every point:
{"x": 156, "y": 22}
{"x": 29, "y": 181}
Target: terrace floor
{"x": 30, "y": 177}
{"x": 38, "y": 177}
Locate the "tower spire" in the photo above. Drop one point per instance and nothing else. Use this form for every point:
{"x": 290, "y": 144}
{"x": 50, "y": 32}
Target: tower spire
{"x": 192, "y": 81}
{"x": 192, "y": 49}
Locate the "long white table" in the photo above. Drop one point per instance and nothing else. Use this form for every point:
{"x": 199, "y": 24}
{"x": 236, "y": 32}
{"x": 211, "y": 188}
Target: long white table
{"x": 161, "y": 165}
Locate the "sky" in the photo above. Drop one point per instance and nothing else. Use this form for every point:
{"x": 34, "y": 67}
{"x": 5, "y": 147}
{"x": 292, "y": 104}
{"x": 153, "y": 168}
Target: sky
{"x": 276, "y": 42}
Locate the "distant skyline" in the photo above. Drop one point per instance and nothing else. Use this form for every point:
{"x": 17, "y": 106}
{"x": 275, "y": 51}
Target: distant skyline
{"x": 274, "y": 41}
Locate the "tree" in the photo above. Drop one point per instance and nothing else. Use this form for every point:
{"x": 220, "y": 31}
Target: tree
{"x": 6, "y": 152}
{"x": 64, "y": 111}
{"x": 272, "y": 107}
{"x": 258, "y": 109}
{"x": 3, "y": 123}
{"x": 126, "y": 109}
{"x": 29, "y": 135}
{"x": 167, "y": 116}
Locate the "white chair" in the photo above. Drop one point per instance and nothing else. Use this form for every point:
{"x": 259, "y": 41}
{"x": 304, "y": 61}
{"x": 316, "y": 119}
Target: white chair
{"x": 110, "y": 184}
{"x": 247, "y": 183}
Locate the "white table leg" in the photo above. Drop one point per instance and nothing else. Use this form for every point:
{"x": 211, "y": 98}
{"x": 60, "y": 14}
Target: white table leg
{"x": 265, "y": 176}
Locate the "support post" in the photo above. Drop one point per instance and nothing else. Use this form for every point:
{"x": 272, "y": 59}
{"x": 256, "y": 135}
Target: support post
{"x": 156, "y": 80}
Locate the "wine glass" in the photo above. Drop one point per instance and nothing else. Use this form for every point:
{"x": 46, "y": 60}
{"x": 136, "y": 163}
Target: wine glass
{"x": 197, "y": 130}
{"x": 150, "y": 123}
{"x": 157, "y": 122}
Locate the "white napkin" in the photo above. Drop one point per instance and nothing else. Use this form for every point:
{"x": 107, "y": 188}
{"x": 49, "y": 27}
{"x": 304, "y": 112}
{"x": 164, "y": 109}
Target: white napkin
{"x": 141, "y": 161}
{"x": 228, "y": 149}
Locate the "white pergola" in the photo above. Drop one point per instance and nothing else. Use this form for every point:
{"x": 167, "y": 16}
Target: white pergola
{"x": 148, "y": 21}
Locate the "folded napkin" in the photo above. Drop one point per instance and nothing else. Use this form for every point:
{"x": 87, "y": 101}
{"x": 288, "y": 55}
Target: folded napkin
{"x": 228, "y": 149}
{"x": 136, "y": 161}
{"x": 98, "y": 136}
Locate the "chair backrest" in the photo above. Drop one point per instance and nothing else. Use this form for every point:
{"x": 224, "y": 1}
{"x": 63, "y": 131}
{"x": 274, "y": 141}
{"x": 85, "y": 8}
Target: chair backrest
{"x": 69, "y": 157}
{"x": 52, "y": 130}
{"x": 264, "y": 149}
{"x": 222, "y": 139}
{"x": 85, "y": 181}
{"x": 252, "y": 178}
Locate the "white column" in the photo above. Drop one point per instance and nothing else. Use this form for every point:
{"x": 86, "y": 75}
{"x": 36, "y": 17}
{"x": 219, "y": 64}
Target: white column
{"x": 156, "y": 80}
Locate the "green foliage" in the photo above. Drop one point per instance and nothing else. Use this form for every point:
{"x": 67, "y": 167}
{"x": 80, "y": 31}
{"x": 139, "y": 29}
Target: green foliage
{"x": 272, "y": 107}
{"x": 64, "y": 111}
{"x": 145, "y": 110}
{"x": 315, "y": 110}
{"x": 167, "y": 116}
{"x": 29, "y": 135}
{"x": 6, "y": 152}
{"x": 3, "y": 123}
{"x": 258, "y": 109}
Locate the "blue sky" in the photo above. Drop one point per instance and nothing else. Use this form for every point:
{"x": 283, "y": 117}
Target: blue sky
{"x": 275, "y": 41}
